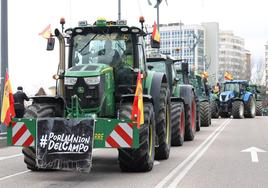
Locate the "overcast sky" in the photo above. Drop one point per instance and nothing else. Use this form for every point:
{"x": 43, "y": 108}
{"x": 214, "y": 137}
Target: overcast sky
{"x": 31, "y": 66}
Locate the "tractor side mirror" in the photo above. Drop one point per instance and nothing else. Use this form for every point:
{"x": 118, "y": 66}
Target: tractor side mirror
{"x": 50, "y": 44}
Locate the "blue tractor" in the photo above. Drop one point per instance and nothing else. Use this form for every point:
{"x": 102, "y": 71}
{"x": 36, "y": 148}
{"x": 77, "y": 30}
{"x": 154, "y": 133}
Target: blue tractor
{"x": 235, "y": 100}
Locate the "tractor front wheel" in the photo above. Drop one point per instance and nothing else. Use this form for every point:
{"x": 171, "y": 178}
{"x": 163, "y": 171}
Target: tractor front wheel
{"x": 214, "y": 109}
{"x": 205, "y": 114}
{"x": 36, "y": 111}
{"x": 142, "y": 158}
{"x": 177, "y": 123}
{"x": 250, "y": 108}
{"x": 190, "y": 116}
{"x": 163, "y": 127}
{"x": 238, "y": 109}
{"x": 259, "y": 108}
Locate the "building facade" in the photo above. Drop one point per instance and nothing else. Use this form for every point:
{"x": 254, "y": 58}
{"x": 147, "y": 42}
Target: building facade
{"x": 231, "y": 55}
{"x": 184, "y": 42}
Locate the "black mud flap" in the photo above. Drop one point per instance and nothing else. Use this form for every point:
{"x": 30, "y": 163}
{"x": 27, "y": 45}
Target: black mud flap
{"x": 65, "y": 144}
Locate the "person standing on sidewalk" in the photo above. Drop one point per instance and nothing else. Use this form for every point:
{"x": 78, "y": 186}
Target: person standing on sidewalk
{"x": 19, "y": 98}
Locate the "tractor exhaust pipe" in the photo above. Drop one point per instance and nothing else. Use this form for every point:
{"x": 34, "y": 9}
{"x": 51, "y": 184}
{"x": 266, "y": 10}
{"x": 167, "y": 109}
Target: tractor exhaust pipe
{"x": 61, "y": 68}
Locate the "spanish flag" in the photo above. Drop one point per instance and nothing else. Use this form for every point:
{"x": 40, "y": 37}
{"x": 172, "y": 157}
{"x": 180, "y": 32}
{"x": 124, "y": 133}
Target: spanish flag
{"x": 8, "y": 110}
{"x": 228, "y": 76}
{"x": 46, "y": 33}
{"x": 137, "y": 108}
{"x": 156, "y": 34}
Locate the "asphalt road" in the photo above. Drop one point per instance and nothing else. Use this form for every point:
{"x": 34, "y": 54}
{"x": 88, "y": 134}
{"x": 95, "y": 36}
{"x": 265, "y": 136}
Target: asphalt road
{"x": 213, "y": 159}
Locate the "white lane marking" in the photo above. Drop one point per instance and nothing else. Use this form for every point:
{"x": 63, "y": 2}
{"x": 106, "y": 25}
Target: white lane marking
{"x": 194, "y": 156}
{"x": 178, "y": 179}
{"x": 23, "y": 172}
{"x": 3, "y": 138}
{"x": 254, "y": 153}
{"x": 10, "y": 176}
{"x": 156, "y": 163}
{"x": 10, "y": 157}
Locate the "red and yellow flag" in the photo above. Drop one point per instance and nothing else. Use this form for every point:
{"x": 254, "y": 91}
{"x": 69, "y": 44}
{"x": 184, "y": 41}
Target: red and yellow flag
{"x": 137, "y": 108}
{"x": 156, "y": 34}
{"x": 46, "y": 33}
{"x": 8, "y": 110}
{"x": 228, "y": 76}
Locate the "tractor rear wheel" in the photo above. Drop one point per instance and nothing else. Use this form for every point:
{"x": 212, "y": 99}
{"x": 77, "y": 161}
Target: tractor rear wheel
{"x": 36, "y": 111}
{"x": 140, "y": 159}
{"x": 205, "y": 114}
{"x": 238, "y": 109}
{"x": 163, "y": 127}
{"x": 250, "y": 108}
{"x": 259, "y": 108}
{"x": 214, "y": 109}
{"x": 177, "y": 123}
{"x": 190, "y": 116}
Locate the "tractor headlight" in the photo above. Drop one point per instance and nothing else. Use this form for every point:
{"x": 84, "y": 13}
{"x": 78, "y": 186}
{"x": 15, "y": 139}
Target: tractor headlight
{"x": 92, "y": 80}
{"x": 70, "y": 80}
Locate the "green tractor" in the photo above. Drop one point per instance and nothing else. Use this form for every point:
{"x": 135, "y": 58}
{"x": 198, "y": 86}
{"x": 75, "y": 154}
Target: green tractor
{"x": 183, "y": 105}
{"x": 253, "y": 88}
{"x": 93, "y": 106}
{"x": 203, "y": 98}
{"x": 184, "y": 77}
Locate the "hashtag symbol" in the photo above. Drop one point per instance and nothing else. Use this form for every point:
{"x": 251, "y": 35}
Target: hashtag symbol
{"x": 43, "y": 141}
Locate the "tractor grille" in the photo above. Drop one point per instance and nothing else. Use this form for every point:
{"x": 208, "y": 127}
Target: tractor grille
{"x": 89, "y": 95}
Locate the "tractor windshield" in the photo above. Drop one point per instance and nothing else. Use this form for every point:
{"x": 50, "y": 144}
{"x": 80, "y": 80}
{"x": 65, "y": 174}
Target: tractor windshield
{"x": 158, "y": 66}
{"x": 112, "y": 49}
{"x": 231, "y": 87}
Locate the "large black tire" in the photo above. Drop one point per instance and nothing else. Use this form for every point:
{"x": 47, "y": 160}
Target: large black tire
{"x": 163, "y": 127}
{"x": 214, "y": 109}
{"x": 224, "y": 114}
{"x": 190, "y": 122}
{"x": 33, "y": 111}
{"x": 250, "y": 108}
{"x": 142, "y": 158}
{"x": 238, "y": 109}
{"x": 197, "y": 117}
{"x": 205, "y": 114}
{"x": 259, "y": 108}
{"x": 177, "y": 123}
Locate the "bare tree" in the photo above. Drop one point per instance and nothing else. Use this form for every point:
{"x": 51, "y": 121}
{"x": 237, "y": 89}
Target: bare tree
{"x": 258, "y": 72}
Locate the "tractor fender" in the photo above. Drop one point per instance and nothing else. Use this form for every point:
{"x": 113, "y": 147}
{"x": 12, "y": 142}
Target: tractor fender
{"x": 177, "y": 99}
{"x": 186, "y": 93}
{"x": 130, "y": 98}
{"x": 203, "y": 100}
{"x": 246, "y": 96}
{"x": 156, "y": 81}
{"x": 238, "y": 99}
{"x": 58, "y": 101}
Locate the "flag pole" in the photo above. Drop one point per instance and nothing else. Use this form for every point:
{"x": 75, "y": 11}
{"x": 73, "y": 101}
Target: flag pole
{"x": 119, "y": 9}
{"x": 4, "y": 50}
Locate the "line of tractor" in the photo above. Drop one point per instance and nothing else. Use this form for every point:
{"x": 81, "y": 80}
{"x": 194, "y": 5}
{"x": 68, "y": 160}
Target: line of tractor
{"x": 94, "y": 98}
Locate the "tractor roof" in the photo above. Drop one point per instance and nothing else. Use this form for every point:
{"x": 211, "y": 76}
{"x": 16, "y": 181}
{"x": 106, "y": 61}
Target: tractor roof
{"x": 236, "y": 81}
{"x": 154, "y": 57}
{"x": 104, "y": 27}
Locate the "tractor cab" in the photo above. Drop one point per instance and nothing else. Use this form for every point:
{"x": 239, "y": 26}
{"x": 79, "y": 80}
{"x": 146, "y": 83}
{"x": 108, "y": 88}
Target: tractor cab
{"x": 103, "y": 63}
{"x": 235, "y": 88}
